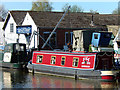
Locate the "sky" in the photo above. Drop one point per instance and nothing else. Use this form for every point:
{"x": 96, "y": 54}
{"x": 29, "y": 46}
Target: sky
{"x": 101, "y": 6}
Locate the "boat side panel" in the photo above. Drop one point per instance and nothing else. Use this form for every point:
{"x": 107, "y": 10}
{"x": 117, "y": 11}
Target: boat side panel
{"x": 84, "y": 61}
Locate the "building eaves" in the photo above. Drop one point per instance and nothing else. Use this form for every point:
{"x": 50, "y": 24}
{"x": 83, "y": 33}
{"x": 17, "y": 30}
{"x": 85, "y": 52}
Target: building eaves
{"x": 18, "y": 17}
{"x": 6, "y": 21}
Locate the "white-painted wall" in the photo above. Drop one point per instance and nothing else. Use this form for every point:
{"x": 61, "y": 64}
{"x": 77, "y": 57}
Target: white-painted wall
{"x": 10, "y": 37}
{"x": 29, "y": 21}
{"x": 1, "y": 34}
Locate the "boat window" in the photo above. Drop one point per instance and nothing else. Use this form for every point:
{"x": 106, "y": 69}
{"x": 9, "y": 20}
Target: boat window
{"x": 95, "y": 36}
{"x": 19, "y": 47}
{"x": 107, "y": 36}
{"x": 63, "y": 61}
{"x": 39, "y": 59}
{"x": 7, "y": 48}
{"x": 75, "y": 62}
{"x": 53, "y": 59}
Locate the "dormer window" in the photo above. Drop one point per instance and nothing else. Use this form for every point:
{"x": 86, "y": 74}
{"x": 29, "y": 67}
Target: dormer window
{"x": 11, "y": 27}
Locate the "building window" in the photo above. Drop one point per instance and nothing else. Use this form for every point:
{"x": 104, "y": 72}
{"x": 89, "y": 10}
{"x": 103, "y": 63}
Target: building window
{"x": 53, "y": 59}
{"x": 75, "y": 62}
{"x": 11, "y": 27}
{"x": 39, "y": 59}
{"x": 52, "y": 40}
{"x": 68, "y": 37}
{"x": 63, "y": 61}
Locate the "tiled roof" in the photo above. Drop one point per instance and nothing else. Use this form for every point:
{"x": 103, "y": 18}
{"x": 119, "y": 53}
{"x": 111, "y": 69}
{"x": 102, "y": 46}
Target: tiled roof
{"x": 18, "y": 16}
{"x": 73, "y": 20}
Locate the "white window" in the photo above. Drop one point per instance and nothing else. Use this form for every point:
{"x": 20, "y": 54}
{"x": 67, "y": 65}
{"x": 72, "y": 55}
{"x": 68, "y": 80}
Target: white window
{"x": 39, "y": 58}
{"x": 11, "y": 27}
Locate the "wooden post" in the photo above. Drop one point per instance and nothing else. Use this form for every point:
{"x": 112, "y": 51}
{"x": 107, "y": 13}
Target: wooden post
{"x": 33, "y": 70}
{"x": 76, "y": 76}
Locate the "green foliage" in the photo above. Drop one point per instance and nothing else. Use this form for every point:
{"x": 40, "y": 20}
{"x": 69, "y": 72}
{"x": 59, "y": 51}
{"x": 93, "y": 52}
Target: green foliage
{"x": 42, "y": 6}
{"x": 116, "y": 11}
{"x": 73, "y": 8}
{"x": 92, "y": 11}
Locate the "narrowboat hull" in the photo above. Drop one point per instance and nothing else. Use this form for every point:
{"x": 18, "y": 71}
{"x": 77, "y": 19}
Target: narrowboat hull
{"x": 83, "y": 65}
{"x": 14, "y": 56}
{"x": 13, "y": 65}
{"x": 74, "y": 73}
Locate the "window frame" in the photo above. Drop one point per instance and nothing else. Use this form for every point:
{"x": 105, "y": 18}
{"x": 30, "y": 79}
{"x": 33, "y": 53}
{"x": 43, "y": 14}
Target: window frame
{"x": 37, "y": 58}
{"x": 75, "y": 61}
{"x": 54, "y": 61}
{"x": 11, "y": 27}
{"x": 63, "y": 60}
{"x": 50, "y": 40}
{"x": 66, "y": 37}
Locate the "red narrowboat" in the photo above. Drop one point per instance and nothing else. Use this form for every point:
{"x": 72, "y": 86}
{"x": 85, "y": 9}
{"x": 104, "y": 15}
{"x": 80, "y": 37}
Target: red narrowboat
{"x": 98, "y": 65}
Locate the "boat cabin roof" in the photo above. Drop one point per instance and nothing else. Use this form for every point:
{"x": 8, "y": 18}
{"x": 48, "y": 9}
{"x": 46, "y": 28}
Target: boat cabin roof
{"x": 67, "y": 53}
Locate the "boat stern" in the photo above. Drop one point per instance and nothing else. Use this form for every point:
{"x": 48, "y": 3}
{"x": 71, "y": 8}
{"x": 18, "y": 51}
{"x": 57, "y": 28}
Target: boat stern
{"x": 110, "y": 75}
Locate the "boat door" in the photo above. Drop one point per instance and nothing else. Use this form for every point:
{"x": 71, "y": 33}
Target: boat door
{"x": 95, "y": 39}
{"x": 104, "y": 61}
{"x": 105, "y": 64}
{"x": 8, "y": 53}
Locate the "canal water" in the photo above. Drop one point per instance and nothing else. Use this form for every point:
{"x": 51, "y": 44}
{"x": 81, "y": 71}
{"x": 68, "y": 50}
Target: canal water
{"x": 10, "y": 78}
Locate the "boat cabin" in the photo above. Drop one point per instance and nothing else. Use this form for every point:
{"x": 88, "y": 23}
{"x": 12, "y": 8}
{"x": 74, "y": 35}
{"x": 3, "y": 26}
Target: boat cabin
{"x": 102, "y": 42}
{"x": 83, "y": 61}
{"x": 101, "y": 39}
{"x": 82, "y": 39}
{"x": 14, "y": 53}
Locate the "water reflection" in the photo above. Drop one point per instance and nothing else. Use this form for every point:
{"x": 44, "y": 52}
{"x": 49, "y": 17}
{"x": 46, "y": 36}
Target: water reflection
{"x": 19, "y": 79}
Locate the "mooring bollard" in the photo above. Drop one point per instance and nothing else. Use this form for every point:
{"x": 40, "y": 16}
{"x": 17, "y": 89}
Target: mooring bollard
{"x": 33, "y": 70}
{"x": 76, "y": 76}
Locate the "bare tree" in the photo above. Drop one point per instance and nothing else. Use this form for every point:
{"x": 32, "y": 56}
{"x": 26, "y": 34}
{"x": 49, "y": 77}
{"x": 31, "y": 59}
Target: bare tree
{"x": 3, "y": 12}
